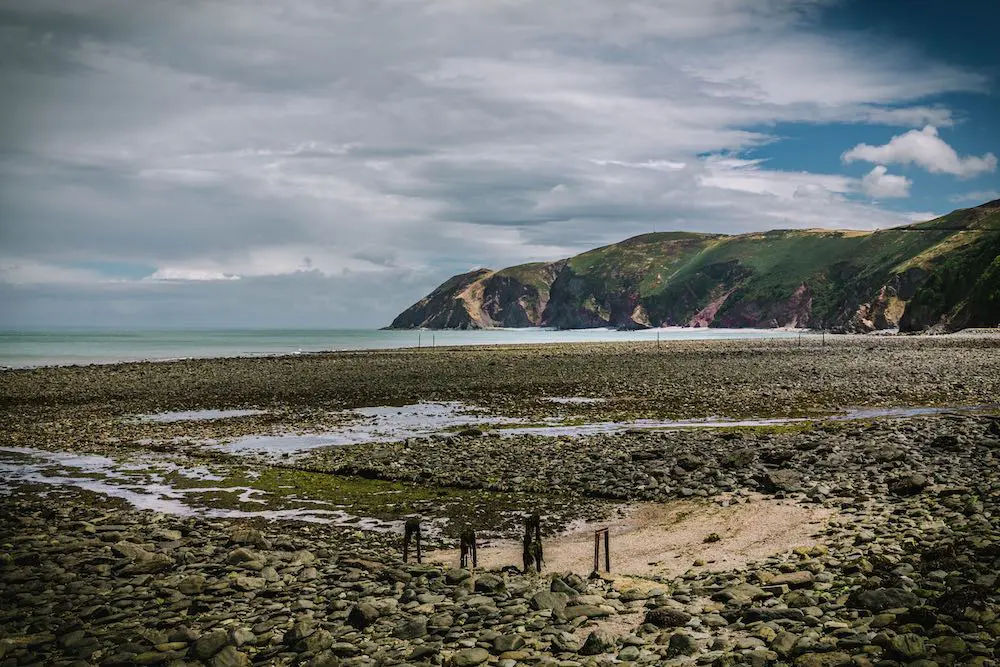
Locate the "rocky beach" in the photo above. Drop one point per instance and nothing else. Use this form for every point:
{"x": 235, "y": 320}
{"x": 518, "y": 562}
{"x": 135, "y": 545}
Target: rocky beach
{"x": 813, "y": 503}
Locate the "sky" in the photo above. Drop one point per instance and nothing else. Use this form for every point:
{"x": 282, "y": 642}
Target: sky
{"x": 320, "y": 163}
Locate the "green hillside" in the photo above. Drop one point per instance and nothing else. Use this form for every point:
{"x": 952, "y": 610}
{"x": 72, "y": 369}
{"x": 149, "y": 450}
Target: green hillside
{"x": 940, "y": 273}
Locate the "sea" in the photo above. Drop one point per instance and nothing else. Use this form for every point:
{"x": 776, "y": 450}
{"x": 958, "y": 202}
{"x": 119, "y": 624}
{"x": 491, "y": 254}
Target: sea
{"x": 25, "y": 349}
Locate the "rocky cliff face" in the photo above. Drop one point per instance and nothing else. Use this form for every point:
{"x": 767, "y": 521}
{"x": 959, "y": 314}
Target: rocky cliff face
{"x": 941, "y": 274}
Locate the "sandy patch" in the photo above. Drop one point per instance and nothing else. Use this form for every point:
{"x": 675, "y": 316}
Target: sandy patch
{"x": 621, "y": 625}
{"x": 665, "y": 539}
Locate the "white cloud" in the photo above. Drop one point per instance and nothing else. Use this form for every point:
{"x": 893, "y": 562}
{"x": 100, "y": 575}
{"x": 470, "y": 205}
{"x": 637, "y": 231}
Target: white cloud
{"x": 917, "y": 116}
{"x": 925, "y": 149}
{"x": 375, "y": 148}
{"x": 879, "y": 184}
{"x": 922, "y": 216}
{"x": 748, "y": 176}
{"x": 199, "y": 275}
{"x": 975, "y": 197}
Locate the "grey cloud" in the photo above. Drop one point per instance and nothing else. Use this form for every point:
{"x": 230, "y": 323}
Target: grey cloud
{"x": 393, "y": 142}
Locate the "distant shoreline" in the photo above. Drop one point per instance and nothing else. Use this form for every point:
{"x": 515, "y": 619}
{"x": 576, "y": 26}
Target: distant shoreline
{"x": 34, "y": 349}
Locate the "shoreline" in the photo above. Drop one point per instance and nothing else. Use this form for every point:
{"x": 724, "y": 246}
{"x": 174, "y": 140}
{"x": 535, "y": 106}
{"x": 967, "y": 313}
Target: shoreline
{"x": 817, "y": 543}
{"x": 750, "y": 334}
{"x": 603, "y": 334}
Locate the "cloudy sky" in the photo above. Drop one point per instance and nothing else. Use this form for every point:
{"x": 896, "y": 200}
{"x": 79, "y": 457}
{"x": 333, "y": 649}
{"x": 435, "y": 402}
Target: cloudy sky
{"x": 327, "y": 162}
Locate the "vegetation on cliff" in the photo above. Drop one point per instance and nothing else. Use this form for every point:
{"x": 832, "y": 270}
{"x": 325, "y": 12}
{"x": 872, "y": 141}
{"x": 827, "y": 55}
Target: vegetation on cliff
{"x": 940, "y": 274}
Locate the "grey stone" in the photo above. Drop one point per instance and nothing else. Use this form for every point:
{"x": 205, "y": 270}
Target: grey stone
{"x": 362, "y": 615}
{"x": 681, "y": 644}
{"x": 549, "y": 600}
{"x": 597, "y": 642}
{"x": 488, "y": 583}
{"x": 210, "y": 644}
{"x": 469, "y": 657}
{"x": 882, "y": 599}
{"x": 666, "y": 617}
{"x": 411, "y": 628}
{"x": 505, "y": 643}
{"x": 230, "y": 657}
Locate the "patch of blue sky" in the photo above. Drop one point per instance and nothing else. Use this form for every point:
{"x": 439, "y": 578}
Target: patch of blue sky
{"x": 113, "y": 269}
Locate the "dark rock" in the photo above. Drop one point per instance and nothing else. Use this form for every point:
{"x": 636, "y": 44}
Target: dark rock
{"x": 488, "y": 583}
{"x": 210, "y": 644}
{"x": 946, "y": 442}
{"x": 549, "y": 600}
{"x": 666, "y": 617}
{"x": 831, "y": 659}
{"x": 597, "y": 642}
{"x": 780, "y": 480}
{"x": 230, "y": 657}
{"x": 909, "y": 485}
{"x": 681, "y": 644}
{"x": 412, "y": 628}
{"x": 505, "y": 643}
{"x": 767, "y": 614}
{"x": 362, "y": 615}
{"x": 882, "y": 599}
{"x": 690, "y": 462}
{"x": 908, "y": 646}
{"x": 453, "y": 577}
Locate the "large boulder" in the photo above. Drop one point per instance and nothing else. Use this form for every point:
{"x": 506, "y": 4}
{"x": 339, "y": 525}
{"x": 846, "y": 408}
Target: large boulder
{"x": 780, "y": 480}
{"x": 597, "y": 642}
{"x": 362, "y": 615}
{"x": 881, "y": 599}
{"x": 667, "y": 617}
{"x": 909, "y": 485}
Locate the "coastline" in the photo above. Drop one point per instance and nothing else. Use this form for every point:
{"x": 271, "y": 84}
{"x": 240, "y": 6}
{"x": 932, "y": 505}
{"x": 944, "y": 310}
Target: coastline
{"x": 738, "y": 544}
{"x": 30, "y": 349}
{"x": 21, "y": 349}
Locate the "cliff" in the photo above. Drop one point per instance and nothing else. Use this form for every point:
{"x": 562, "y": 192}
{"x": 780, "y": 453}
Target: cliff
{"x": 941, "y": 274}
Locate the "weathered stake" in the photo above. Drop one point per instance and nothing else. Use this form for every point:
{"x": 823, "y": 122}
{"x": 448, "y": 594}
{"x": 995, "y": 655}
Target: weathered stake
{"x": 597, "y": 549}
{"x": 532, "y": 553}
{"x": 411, "y": 531}
{"x": 607, "y": 550}
{"x": 467, "y": 542}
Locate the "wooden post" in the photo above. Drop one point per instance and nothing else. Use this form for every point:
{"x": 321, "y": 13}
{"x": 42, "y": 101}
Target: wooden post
{"x": 607, "y": 550}
{"x": 411, "y": 533}
{"x": 597, "y": 550}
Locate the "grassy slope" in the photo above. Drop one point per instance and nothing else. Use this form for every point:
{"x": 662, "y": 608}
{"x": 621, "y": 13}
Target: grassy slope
{"x": 949, "y": 267}
{"x": 675, "y": 275}
{"x": 964, "y": 281}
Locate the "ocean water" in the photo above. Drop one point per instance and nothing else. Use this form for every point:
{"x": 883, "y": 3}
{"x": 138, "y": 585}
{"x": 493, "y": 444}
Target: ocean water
{"x": 20, "y": 349}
